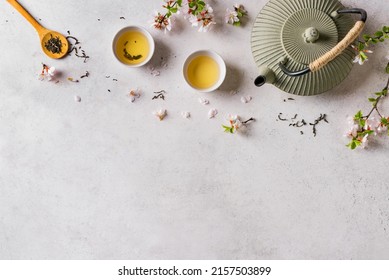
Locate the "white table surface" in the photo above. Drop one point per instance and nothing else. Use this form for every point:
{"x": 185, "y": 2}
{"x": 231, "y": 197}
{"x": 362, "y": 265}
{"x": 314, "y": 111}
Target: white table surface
{"x": 104, "y": 179}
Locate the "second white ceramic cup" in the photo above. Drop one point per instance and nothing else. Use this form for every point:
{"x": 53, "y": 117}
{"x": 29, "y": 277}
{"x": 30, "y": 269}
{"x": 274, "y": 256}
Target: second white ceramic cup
{"x": 217, "y": 58}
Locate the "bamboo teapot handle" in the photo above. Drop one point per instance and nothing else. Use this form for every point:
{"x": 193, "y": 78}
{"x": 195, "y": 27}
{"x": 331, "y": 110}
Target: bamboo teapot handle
{"x": 337, "y": 50}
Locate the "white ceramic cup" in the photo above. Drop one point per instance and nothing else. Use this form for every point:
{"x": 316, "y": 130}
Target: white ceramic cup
{"x": 217, "y": 58}
{"x": 140, "y": 29}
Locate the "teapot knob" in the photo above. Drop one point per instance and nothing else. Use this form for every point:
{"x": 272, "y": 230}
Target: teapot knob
{"x": 311, "y": 35}
{"x": 332, "y": 54}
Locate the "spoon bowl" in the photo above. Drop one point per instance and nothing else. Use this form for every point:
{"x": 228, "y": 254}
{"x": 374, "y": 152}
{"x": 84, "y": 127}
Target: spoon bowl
{"x": 58, "y": 50}
{"x": 54, "y": 44}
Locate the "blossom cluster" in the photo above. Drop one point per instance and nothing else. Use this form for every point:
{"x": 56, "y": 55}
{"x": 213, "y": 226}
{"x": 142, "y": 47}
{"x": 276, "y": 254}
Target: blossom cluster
{"x": 235, "y": 16}
{"x": 162, "y": 22}
{"x": 362, "y": 129}
{"x": 198, "y": 13}
{"x": 47, "y": 73}
{"x": 235, "y": 124}
{"x": 362, "y": 52}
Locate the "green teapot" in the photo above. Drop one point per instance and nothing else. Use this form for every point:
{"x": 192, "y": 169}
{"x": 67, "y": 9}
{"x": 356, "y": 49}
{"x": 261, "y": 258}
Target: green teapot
{"x": 303, "y": 46}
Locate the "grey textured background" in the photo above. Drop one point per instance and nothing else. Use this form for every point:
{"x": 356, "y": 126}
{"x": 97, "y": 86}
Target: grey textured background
{"x": 103, "y": 179}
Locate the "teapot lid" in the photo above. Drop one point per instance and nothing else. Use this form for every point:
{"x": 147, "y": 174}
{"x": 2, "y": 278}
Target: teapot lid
{"x": 299, "y": 32}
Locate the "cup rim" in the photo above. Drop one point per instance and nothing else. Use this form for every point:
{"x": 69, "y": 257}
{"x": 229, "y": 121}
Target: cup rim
{"x": 219, "y": 60}
{"x": 150, "y": 40}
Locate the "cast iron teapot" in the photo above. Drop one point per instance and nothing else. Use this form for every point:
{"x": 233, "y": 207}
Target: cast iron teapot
{"x": 303, "y": 46}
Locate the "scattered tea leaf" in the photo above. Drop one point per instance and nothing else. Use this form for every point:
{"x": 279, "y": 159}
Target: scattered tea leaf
{"x": 159, "y": 94}
{"x": 73, "y": 47}
{"x": 73, "y": 80}
{"x": 131, "y": 57}
{"x": 85, "y": 75}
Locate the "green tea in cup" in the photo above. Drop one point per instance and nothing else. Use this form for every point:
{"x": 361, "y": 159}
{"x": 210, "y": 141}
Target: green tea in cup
{"x": 133, "y": 46}
{"x": 204, "y": 71}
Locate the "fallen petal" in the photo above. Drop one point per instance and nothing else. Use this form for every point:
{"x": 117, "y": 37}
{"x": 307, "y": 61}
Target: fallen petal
{"x": 185, "y": 115}
{"x": 155, "y": 73}
{"x": 161, "y": 114}
{"x": 246, "y": 99}
{"x": 212, "y": 113}
{"x": 203, "y": 101}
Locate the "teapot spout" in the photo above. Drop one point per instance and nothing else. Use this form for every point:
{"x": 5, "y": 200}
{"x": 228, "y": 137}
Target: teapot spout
{"x": 266, "y": 75}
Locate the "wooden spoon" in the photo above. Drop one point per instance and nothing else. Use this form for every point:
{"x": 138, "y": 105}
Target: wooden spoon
{"x": 54, "y": 44}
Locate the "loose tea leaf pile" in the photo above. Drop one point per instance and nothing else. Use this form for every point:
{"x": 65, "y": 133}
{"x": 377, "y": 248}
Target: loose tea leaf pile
{"x": 54, "y": 44}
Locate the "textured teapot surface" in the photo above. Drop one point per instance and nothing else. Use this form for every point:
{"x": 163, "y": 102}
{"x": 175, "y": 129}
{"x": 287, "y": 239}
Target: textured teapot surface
{"x": 299, "y": 32}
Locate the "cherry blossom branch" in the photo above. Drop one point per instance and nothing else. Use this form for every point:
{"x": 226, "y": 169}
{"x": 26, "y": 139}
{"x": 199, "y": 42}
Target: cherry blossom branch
{"x": 236, "y": 15}
{"x": 362, "y": 46}
{"x": 364, "y": 126}
{"x": 236, "y": 124}
{"x": 198, "y": 13}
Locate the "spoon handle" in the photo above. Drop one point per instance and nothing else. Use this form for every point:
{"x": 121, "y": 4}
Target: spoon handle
{"x": 39, "y": 28}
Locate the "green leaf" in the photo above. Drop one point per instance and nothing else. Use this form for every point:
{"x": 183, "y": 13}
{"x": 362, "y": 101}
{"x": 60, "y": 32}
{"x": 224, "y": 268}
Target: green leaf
{"x": 191, "y": 4}
{"x": 385, "y": 121}
{"x": 366, "y": 37}
{"x": 374, "y": 41}
{"x": 379, "y": 34}
{"x": 201, "y": 4}
{"x": 358, "y": 116}
{"x": 236, "y": 23}
{"x": 366, "y": 132}
{"x": 378, "y": 94}
{"x": 385, "y": 92}
{"x": 372, "y": 99}
{"x": 385, "y": 29}
{"x": 362, "y": 122}
{"x": 173, "y": 10}
{"x": 361, "y": 46}
{"x": 363, "y": 56}
{"x": 354, "y": 144}
{"x": 179, "y": 3}
{"x": 228, "y": 129}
